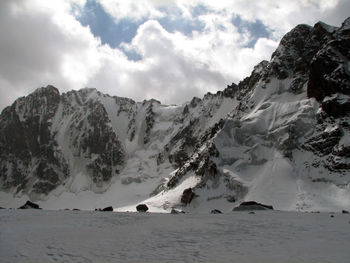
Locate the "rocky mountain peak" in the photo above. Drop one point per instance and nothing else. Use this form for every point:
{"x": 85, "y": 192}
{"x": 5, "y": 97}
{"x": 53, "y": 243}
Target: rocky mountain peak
{"x": 275, "y": 117}
{"x": 298, "y": 47}
{"x": 346, "y": 25}
{"x": 46, "y": 91}
{"x": 329, "y": 69}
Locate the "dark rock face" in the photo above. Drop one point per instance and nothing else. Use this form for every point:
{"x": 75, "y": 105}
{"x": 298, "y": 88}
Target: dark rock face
{"x": 252, "y": 205}
{"x": 31, "y": 154}
{"x": 149, "y": 120}
{"x": 142, "y": 208}
{"x": 297, "y": 49}
{"x": 327, "y": 144}
{"x": 185, "y": 137}
{"x": 293, "y": 42}
{"x": 187, "y": 196}
{"x": 201, "y": 164}
{"x": 329, "y": 73}
{"x": 230, "y": 91}
{"x": 336, "y": 106}
{"x": 92, "y": 137}
{"x": 29, "y": 205}
{"x": 215, "y": 211}
{"x": 324, "y": 143}
{"x": 27, "y": 146}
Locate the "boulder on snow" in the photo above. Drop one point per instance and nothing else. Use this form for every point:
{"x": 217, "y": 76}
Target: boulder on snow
{"x": 106, "y": 209}
{"x": 252, "y": 205}
{"x": 142, "y": 208}
{"x": 215, "y": 211}
{"x": 187, "y": 196}
{"x": 345, "y": 212}
{"x": 29, "y": 205}
{"x": 231, "y": 199}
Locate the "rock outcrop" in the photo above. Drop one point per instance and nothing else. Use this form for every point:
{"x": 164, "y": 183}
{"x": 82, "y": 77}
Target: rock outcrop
{"x": 29, "y": 205}
{"x": 252, "y": 205}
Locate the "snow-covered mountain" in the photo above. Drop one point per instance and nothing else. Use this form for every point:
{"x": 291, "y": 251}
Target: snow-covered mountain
{"x": 281, "y": 137}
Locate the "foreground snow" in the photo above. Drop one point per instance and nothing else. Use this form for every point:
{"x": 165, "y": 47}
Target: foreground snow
{"x": 80, "y": 236}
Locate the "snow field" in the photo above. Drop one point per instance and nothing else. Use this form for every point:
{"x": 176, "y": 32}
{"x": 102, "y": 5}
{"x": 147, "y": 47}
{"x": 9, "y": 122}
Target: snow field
{"x": 78, "y": 236}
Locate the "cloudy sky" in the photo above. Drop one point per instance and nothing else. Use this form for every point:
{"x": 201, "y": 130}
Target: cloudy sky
{"x": 170, "y": 50}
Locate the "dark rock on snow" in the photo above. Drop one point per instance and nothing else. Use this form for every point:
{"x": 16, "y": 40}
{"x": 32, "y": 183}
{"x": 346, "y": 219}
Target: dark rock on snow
{"x": 30, "y": 205}
{"x": 106, "y": 209}
{"x": 215, "y": 211}
{"x": 345, "y": 212}
{"x": 252, "y": 205}
{"x": 187, "y": 196}
{"x": 142, "y": 208}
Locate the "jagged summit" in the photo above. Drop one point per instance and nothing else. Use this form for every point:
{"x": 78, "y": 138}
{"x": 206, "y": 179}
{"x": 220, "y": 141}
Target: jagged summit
{"x": 281, "y": 136}
{"x": 46, "y": 90}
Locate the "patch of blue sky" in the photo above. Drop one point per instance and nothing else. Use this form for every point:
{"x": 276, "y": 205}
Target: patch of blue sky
{"x": 175, "y": 21}
{"x": 199, "y": 9}
{"x": 256, "y": 29}
{"x": 104, "y": 26}
{"x": 185, "y": 26}
{"x": 113, "y": 32}
{"x": 131, "y": 54}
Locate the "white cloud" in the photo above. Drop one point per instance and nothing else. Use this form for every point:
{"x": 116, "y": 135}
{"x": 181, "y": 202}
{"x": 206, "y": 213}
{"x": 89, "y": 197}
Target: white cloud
{"x": 280, "y": 16}
{"x": 165, "y": 72}
{"x": 42, "y": 43}
{"x": 176, "y": 67}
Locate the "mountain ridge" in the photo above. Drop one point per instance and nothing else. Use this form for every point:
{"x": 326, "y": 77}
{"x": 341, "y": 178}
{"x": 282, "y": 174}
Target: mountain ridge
{"x": 281, "y": 136}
